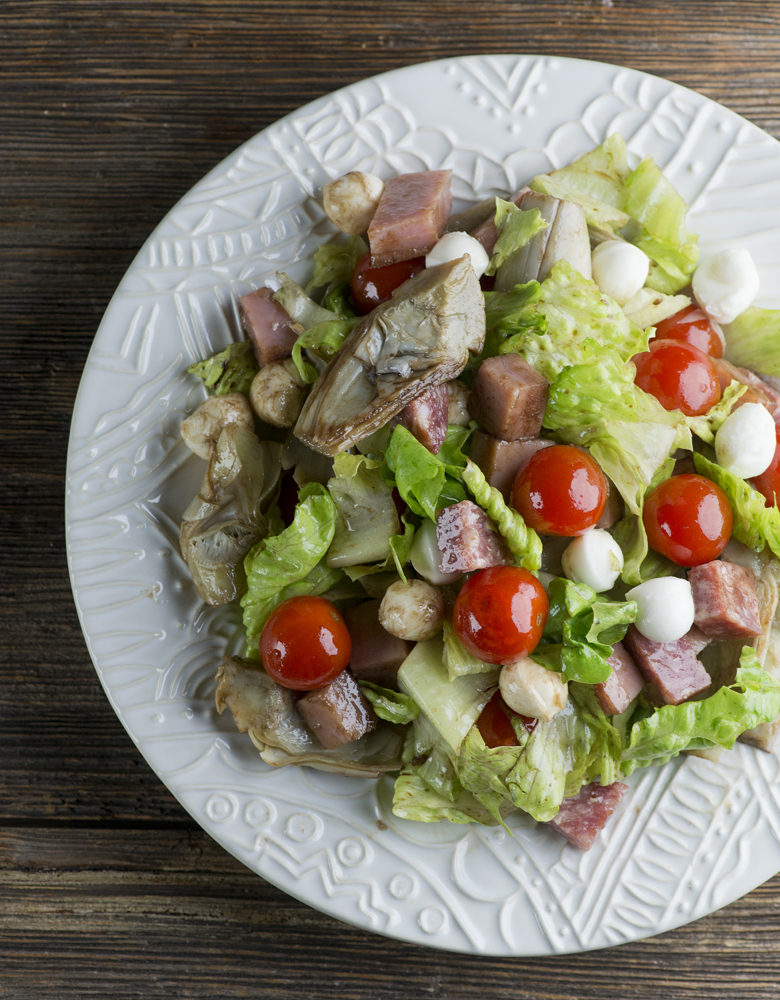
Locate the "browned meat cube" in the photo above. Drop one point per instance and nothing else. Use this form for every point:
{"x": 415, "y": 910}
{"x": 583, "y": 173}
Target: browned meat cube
{"x": 617, "y": 692}
{"x": 501, "y": 460}
{"x": 486, "y": 232}
{"x": 725, "y": 600}
{"x": 410, "y": 217}
{"x": 672, "y": 672}
{"x": 508, "y": 397}
{"x": 582, "y": 817}
{"x": 337, "y": 713}
{"x": 268, "y": 325}
{"x": 426, "y": 417}
{"x": 376, "y": 655}
{"x": 758, "y": 391}
{"x": 468, "y": 541}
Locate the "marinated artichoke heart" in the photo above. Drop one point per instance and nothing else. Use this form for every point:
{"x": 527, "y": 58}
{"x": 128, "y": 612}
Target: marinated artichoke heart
{"x": 418, "y": 340}
{"x": 225, "y": 519}
{"x": 267, "y": 712}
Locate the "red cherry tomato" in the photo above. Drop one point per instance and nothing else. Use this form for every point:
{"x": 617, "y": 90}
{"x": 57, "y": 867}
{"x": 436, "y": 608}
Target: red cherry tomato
{"x": 371, "y": 286}
{"x": 680, "y": 376}
{"x": 693, "y": 326}
{"x": 499, "y": 614}
{"x": 305, "y": 643}
{"x": 495, "y": 725}
{"x": 768, "y": 483}
{"x": 688, "y": 519}
{"x": 560, "y": 491}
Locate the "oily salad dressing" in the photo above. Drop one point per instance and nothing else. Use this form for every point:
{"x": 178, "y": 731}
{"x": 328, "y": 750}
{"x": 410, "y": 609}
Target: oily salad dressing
{"x": 498, "y": 496}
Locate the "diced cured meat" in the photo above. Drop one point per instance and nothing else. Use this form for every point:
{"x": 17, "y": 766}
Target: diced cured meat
{"x": 758, "y": 390}
{"x": 337, "y": 713}
{"x": 410, "y": 217}
{"x": 671, "y": 669}
{"x": 501, "y": 460}
{"x": 486, "y": 232}
{"x": 617, "y": 692}
{"x": 376, "y": 655}
{"x": 468, "y": 541}
{"x": 724, "y": 600}
{"x": 508, "y": 397}
{"x": 582, "y": 817}
{"x": 268, "y": 325}
{"x": 614, "y": 508}
{"x": 426, "y": 417}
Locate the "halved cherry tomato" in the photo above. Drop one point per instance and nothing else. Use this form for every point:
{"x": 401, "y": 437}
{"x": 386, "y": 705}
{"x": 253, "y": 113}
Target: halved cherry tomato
{"x": 371, "y": 286}
{"x": 693, "y": 326}
{"x": 499, "y": 614}
{"x": 768, "y": 483}
{"x": 688, "y": 519}
{"x": 680, "y": 376}
{"x": 560, "y": 491}
{"x": 495, "y": 723}
{"x": 305, "y": 643}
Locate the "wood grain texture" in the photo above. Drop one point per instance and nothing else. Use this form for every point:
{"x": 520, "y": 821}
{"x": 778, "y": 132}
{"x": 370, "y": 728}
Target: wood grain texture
{"x": 109, "y": 112}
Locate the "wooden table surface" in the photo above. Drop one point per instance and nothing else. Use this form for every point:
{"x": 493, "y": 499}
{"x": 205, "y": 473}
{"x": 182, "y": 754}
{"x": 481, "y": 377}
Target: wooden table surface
{"x": 109, "y": 112}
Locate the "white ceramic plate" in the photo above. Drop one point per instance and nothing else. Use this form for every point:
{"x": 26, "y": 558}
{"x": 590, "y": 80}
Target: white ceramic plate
{"x": 691, "y": 836}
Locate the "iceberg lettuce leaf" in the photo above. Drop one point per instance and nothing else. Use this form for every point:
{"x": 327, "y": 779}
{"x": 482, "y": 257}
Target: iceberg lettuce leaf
{"x": 414, "y": 799}
{"x": 231, "y": 370}
{"x": 323, "y": 339}
{"x": 335, "y": 262}
{"x": 392, "y": 706}
{"x": 425, "y": 481}
{"x": 515, "y": 228}
{"x": 752, "y": 340}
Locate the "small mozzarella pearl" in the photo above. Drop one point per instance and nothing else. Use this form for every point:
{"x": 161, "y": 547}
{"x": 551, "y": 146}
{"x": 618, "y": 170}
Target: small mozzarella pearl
{"x": 595, "y": 559}
{"x": 619, "y": 269}
{"x": 726, "y": 284}
{"x": 665, "y": 608}
{"x": 452, "y": 246}
{"x": 746, "y": 441}
{"x": 425, "y": 556}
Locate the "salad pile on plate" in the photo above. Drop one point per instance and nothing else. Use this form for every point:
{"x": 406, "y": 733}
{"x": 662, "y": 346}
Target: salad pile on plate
{"x": 501, "y": 518}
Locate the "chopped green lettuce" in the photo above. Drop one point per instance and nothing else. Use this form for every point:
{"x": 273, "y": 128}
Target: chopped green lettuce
{"x": 647, "y": 307}
{"x": 706, "y": 425}
{"x": 335, "y": 262}
{"x": 755, "y": 524}
{"x": 753, "y": 339}
{"x": 506, "y": 314}
{"x": 524, "y": 543}
{"x": 231, "y": 370}
{"x": 323, "y": 339}
{"x": 457, "y": 659}
{"x": 515, "y": 228}
{"x": 414, "y": 799}
{"x": 426, "y": 481}
{"x": 367, "y": 517}
{"x": 392, "y": 706}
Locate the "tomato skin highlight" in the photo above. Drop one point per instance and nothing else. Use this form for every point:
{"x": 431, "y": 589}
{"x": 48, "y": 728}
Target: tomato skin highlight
{"x": 692, "y": 326}
{"x": 495, "y": 723}
{"x": 768, "y": 483}
{"x": 305, "y": 643}
{"x": 688, "y": 519}
{"x": 560, "y": 491}
{"x": 680, "y": 376}
{"x": 371, "y": 286}
{"x": 500, "y": 613}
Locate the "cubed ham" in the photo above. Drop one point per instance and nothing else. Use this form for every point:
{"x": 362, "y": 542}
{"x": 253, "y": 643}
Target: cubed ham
{"x": 758, "y": 391}
{"x": 614, "y": 508}
{"x": 268, "y": 325}
{"x": 486, "y": 232}
{"x": 625, "y": 682}
{"x": 501, "y": 460}
{"x": 426, "y": 417}
{"x": 671, "y": 669}
{"x": 410, "y": 217}
{"x": 582, "y": 817}
{"x": 337, "y": 713}
{"x": 508, "y": 397}
{"x": 467, "y": 540}
{"x": 725, "y": 600}
{"x": 376, "y": 655}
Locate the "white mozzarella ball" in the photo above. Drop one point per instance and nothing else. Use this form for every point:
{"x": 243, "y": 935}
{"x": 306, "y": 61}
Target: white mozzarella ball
{"x": 595, "y": 559}
{"x": 425, "y": 556}
{"x": 726, "y": 284}
{"x": 452, "y": 246}
{"x": 532, "y": 690}
{"x": 619, "y": 269}
{"x": 746, "y": 440}
{"x": 665, "y": 608}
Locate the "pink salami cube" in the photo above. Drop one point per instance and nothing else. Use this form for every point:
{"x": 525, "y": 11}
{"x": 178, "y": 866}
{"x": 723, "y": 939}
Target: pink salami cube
{"x": 625, "y": 682}
{"x": 410, "y": 217}
{"x": 671, "y": 669}
{"x": 501, "y": 460}
{"x": 468, "y": 541}
{"x": 268, "y": 325}
{"x": 582, "y": 817}
{"x": 725, "y": 600}
{"x": 338, "y": 713}
{"x": 376, "y": 655}
{"x": 426, "y": 417}
{"x": 508, "y": 397}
